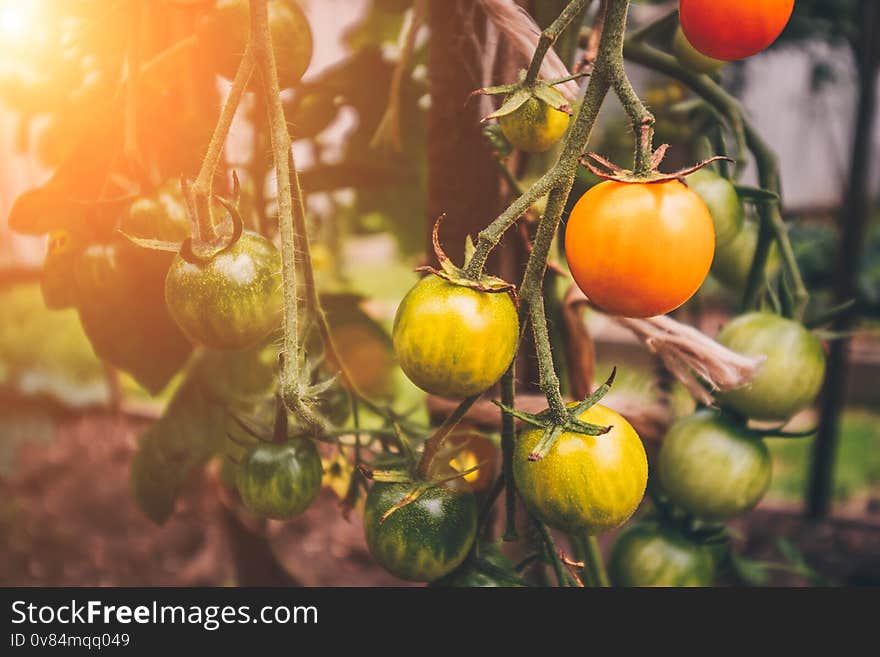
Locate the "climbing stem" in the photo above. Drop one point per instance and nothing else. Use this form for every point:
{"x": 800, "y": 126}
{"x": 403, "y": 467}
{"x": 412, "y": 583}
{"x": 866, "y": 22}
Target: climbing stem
{"x": 549, "y": 36}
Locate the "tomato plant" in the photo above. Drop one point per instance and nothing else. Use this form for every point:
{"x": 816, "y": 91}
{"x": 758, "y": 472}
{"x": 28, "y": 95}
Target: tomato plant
{"x": 732, "y": 29}
{"x": 426, "y": 538}
{"x": 733, "y": 259}
{"x": 452, "y": 340}
{"x": 792, "y": 374}
{"x": 651, "y": 554}
{"x": 280, "y": 481}
{"x": 484, "y": 568}
{"x": 223, "y": 33}
{"x": 637, "y": 249}
{"x": 586, "y": 484}
{"x": 232, "y": 300}
{"x": 713, "y": 467}
{"x": 535, "y": 126}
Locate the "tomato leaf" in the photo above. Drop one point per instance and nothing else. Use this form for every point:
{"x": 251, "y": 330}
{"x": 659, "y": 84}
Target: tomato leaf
{"x": 755, "y": 194}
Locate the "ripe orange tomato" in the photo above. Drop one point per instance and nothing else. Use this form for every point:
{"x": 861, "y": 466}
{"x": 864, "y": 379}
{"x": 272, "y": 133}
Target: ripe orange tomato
{"x": 639, "y": 249}
{"x": 733, "y": 29}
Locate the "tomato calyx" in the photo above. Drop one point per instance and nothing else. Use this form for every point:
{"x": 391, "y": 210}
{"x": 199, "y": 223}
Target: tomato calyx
{"x": 456, "y": 275}
{"x": 520, "y": 92}
{"x": 200, "y": 251}
{"x": 553, "y": 429}
{"x": 607, "y": 170}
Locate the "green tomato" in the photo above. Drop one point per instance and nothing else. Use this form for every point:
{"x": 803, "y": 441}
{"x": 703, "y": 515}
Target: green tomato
{"x": 452, "y": 340}
{"x": 585, "y": 484}
{"x": 791, "y": 377}
{"x": 280, "y": 481}
{"x": 232, "y": 301}
{"x": 428, "y": 537}
{"x": 491, "y": 569}
{"x": 224, "y": 32}
{"x": 160, "y": 216}
{"x": 691, "y": 58}
{"x": 733, "y": 259}
{"x": 712, "y": 467}
{"x": 720, "y": 196}
{"x": 649, "y": 554}
{"x": 534, "y": 126}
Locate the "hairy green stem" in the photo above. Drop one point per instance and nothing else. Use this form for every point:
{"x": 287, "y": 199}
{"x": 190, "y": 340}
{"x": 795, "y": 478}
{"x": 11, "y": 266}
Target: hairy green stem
{"x": 260, "y": 45}
{"x": 549, "y": 36}
{"x": 562, "y": 576}
{"x": 203, "y": 187}
{"x": 434, "y": 444}
{"x": 593, "y": 562}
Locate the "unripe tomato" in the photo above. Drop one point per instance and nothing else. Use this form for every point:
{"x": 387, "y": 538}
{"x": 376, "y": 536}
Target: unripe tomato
{"x": 491, "y": 569}
{"x": 452, "y": 340}
{"x": 160, "y": 216}
{"x": 639, "y": 249}
{"x": 649, "y": 554}
{"x": 691, "y": 58}
{"x": 733, "y": 29}
{"x": 712, "y": 467}
{"x": 224, "y": 33}
{"x": 425, "y": 539}
{"x": 585, "y": 483}
{"x": 280, "y": 481}
{"x": 233, "y": 300}
{"x": 790, "y": 378}
{"x": 720, "y": 196}
{"x": 534, "y": 126}
{"x": 733, "y": 259}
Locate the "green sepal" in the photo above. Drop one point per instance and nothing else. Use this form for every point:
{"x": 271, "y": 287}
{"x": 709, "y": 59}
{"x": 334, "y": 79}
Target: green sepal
{"x": 552, "y": 97}
{"x": 153, "y": 245}
{"x": 597, "y": 395}
{"x": 512, "y": 103}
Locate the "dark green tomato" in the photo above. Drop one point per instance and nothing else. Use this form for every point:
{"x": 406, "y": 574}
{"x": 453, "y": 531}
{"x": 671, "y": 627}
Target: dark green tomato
{"x": 649, "y": 554}
{"x": 491, "y": 569}
{"x": 712, "y": 467}
{"x": 232, "y": 301}
{"x": 720, "y": 196}
{"x": 425, "y": 539}
{"x": 452, "y": 340}
{"x": 223, "y": 33}
{"x": 790, "y": 378}
{"x": 280, "y": 481}
{"x": 733, "y": 260}
{"x": 57, "y": 280}
{"x": 123, "y": 314}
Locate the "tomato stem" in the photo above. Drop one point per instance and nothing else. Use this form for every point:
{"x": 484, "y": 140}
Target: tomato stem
{"x": 203, "y": 188}
{"x": 550, "y": 34}
{"x": 508, "y": 438}
{"x": 434, "y": 444}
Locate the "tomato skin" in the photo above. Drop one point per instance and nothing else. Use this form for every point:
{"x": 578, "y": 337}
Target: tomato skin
{"x": 160, "y": 216}
{"x": 791, "y": 377}
{"x": 691, "y": 58}
{"x": 535, "y": 126}
{"x": 733, "y": 29}
{"x": 649, "y": 554}
{"x": 232, "y": 301}
{"x": 426, "y": 539}
{"x": 637, "y": 249}
{"x": 454, "y": 341}
{"x": 586, "y": 483}
{"x": 733, "y": 259}
{"x": 491, "y": 569}
{"x": 720, "y": 197}
{"x": 712, "y": 467}
{"x": 280, "y": 481}
{"x": 224, "y": 31}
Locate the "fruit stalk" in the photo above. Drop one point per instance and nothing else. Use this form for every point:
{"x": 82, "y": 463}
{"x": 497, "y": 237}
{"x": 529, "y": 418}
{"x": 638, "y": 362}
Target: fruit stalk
{"x": 260, "y": 47}
{"x": 549, "y": 36}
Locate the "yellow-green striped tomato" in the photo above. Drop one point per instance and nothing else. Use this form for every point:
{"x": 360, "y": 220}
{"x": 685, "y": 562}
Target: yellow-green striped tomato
{"x": 428, "y": 537}
{"x": 712, "y": 467}
{"x": 280, "y": 481}
{"x": 649, "y": 554}
{"x": 791, "y": 377}
{"x": 231, "y": 301}
{"x": 585, "y": 484}
{"x": 452, "y": 340}
{"x": 534, "y": 126}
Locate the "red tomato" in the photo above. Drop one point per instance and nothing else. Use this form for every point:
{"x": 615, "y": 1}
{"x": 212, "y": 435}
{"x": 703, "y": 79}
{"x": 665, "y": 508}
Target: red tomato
{"x": 733, "y": 29}
{"x": 639, "y": 249}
